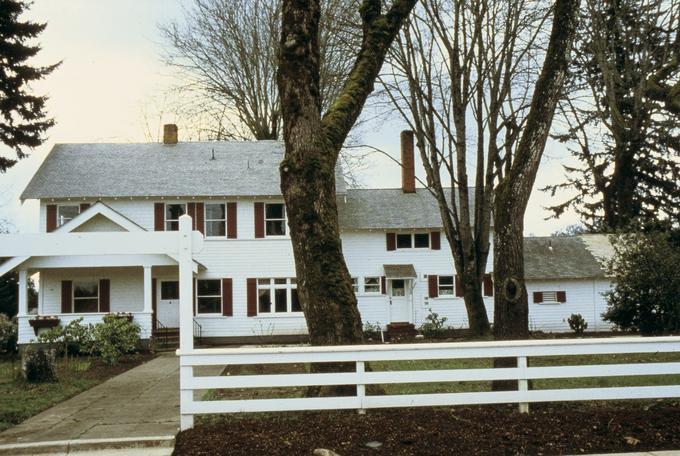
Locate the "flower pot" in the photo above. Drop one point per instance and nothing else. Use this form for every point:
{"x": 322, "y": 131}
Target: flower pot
{"x": 43, "y": 323}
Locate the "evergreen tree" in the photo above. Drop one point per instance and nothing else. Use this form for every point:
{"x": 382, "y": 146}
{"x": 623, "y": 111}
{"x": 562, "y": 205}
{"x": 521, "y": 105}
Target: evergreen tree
{"x": 620, "y": 117}
{"x": 22, "y": 115}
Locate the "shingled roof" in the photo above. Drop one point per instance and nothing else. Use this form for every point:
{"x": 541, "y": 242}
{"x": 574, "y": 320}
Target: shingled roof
{"x": 560, "y": 257}
{"x": 390, "y": 208}
{"x": 239, "y": 168}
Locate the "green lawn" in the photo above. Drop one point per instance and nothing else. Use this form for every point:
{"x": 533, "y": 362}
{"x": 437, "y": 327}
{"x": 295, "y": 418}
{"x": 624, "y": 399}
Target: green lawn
{"x": 20, "y": 400}
{"x": 455, "y": 387}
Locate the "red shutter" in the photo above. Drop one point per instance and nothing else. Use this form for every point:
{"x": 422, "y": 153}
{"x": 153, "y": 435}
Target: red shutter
{"x": 391, "y": 239}
{"x": 259, "y": 220}
{"x": 459, "y": 288}
{"x": 435, "y": 240}
{"x": 561, "y": 296}
{"x": 66, "y": 296}
{"x": 105, "y": 295}
{"x": 488, "y": 285}
{"x": 191, "y": 212}
{"x": 84, "y": 207}
{"x": 227, "y": 298}
{"x": 200, "y": 218}
{"x": 159, "y": 217}
{"x": 231, "y": 220}
{"x": 433, "y": 286}
{"x": 538, "y": 297}
{"x": 154, "y": 304}
{"x": 252, "y": 297}
{"x": 51, "y": 216}
{"x": 383, "y": 285}
{"x": 195, "y": 301}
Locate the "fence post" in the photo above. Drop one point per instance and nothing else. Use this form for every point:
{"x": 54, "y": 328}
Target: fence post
{"x": 523, "y": 382}
{"x": 186, "y": 330}
{"x": 361, "y": 388}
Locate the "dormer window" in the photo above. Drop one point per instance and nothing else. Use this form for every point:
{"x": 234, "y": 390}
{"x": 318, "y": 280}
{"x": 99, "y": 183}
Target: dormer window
{"x": 66, "y": 213}
{"x": 275, "y": 219}
{"x": 173, "y": 211}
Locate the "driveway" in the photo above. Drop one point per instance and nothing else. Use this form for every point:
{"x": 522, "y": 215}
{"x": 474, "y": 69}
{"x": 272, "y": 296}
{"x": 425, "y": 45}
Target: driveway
{"x": 142, "y": 402}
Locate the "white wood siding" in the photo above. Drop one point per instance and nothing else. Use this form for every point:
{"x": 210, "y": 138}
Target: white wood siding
{"x": 365, "y": 253}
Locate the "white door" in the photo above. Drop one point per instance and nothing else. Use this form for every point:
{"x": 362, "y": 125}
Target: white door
{"x": 168, "y": 305}
{"x": 399, "y": 300}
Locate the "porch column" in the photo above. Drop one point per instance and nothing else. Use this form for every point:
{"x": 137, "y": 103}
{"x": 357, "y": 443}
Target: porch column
{"x": 23, "y": 292}
{"x": 148, "y": 307}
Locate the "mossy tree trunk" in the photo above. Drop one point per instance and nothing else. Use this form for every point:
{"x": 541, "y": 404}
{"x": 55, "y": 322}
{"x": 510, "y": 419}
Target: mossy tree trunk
{"x": 312, "y": 145}
{"x": 513, "y": 191}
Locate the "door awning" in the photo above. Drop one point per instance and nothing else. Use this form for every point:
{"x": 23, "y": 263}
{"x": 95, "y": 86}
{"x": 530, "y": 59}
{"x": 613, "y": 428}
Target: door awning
{"x": 400, "y": 271}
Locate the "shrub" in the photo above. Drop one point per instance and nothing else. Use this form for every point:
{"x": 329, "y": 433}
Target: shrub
{"x": 39, "y": 366}
{"x": 73, "y": 339}
{"x": 8, "y": 334}
{"x": 433, "y": 327}
{"x": 371, "y": 330}
{"x": 577, "y": 324}
{"x": 115, "y": 337}
{"x": 645, "y": 296}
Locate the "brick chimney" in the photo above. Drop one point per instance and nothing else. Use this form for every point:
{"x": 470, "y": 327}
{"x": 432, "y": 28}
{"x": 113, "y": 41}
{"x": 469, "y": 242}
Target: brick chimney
{"x": 169, "y": 134}
{"x": 408, "y": 171}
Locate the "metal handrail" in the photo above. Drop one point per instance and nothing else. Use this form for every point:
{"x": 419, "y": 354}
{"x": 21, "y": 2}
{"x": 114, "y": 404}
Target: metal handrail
{"x": 162, "y": 329}
{"x": 198, "y": 331}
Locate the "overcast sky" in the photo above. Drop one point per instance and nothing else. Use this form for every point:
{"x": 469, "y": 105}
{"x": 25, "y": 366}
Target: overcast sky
{"x": 112, "y": 73}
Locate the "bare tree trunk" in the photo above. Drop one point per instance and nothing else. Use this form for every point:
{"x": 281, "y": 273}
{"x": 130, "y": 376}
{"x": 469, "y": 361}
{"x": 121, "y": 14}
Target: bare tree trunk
{"x": 512, "y": 194}
{"x": 312, "y": 147}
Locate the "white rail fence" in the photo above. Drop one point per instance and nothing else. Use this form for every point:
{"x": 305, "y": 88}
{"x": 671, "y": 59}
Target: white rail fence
{"x": 360, "y": 355}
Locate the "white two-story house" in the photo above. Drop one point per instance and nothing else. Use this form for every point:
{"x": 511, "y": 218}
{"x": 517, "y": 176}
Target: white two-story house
{"x": 244, "y": 278}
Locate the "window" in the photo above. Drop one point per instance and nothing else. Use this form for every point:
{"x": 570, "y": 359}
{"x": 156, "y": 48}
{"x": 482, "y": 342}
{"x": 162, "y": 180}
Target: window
{"x": 398, "y": 287}
{"x": 215, "y": 220}
{"x": 277, "y": 296}
{"x": 85, "y": 297}
{"x": 445, "y": 286}
{"x": 413, "y": 240}
{"x": 355, "y": 284}
{"x": 170, "y": 290}
{"x": 275, "y": 219}
{"x": 172, "y": 214}
{"x": 371, "y": 284}
{"x": 209, "y": 296}
{"x": 550, "y": 297}
{"x": 421, "y": 240}
{"x": 66, "y": 213}
{"x": 404, "y": 241}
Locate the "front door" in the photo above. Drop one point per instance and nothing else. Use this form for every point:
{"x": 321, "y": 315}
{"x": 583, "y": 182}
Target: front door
{"x": 399, "y": 300}
{"x": 168, "y": 305}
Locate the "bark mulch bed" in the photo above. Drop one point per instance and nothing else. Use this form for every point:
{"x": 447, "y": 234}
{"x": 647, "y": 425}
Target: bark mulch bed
{"x": 483, "y": 430}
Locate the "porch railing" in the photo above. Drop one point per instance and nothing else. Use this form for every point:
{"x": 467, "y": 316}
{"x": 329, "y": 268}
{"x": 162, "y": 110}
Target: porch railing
{"x": 359, "y": 355}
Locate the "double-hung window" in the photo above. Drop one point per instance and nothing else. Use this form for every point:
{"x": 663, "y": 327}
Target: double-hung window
{"x": 275, "y": 219}
{"x": 173, "y": 211}
{"x": 372, "y": 285}
{"x": 85, "y": 297}
{"x": 209, "y": 296}
{"x": 215, "y": 220}
{"x": 277, "y": 296}
{"x": 445, "y": 285}
{"x": 66, "y": 213}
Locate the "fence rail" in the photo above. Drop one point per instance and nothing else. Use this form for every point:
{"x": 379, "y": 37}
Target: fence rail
{"x": 360, "y": 355}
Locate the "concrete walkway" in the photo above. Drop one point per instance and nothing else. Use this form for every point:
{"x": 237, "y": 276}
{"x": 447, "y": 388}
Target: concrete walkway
{"x": 142, "y": 402}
